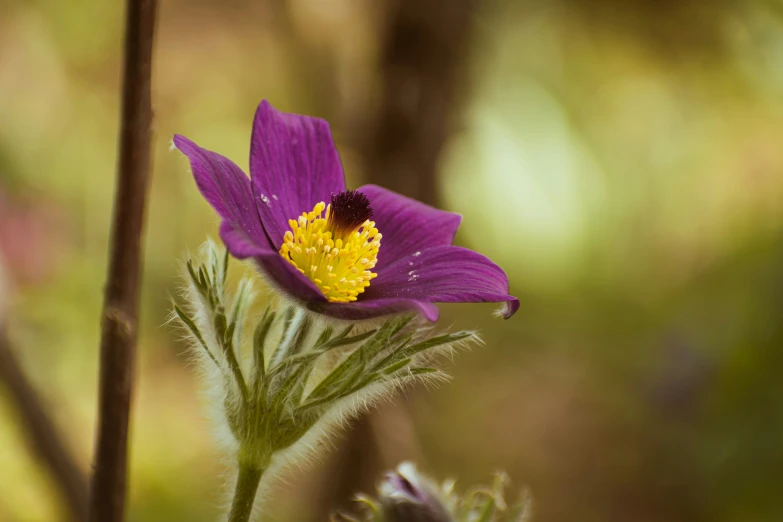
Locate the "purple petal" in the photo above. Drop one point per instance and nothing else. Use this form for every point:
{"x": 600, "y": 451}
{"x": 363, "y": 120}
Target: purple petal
{"x": 407, "y": 225}
{"x": 279, "y": 272}
{"x": 294, "y": 165}
{"x": 227, "y": 189}
{"x": 288, "y": 279}
{"x": 238, "y": 243}
{"x": 444, "y": 274}
{"x": 403, "y": 487}
{"x": 372, "y": 308}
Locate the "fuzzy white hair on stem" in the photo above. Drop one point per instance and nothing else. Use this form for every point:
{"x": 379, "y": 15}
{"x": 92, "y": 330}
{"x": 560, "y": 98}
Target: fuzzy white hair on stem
{"x": 281, "y": 383}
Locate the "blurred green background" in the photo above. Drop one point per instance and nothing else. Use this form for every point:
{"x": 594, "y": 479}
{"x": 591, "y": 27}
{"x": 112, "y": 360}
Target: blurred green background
{"x": 622, "y": 160}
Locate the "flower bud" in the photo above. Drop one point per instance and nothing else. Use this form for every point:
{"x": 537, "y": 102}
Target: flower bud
{"x": 405, "y": 495}
{"x": 408, "y": 496}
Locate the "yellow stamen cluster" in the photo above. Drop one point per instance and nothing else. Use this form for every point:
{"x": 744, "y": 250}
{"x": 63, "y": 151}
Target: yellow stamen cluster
{"x": 338, "y": 261}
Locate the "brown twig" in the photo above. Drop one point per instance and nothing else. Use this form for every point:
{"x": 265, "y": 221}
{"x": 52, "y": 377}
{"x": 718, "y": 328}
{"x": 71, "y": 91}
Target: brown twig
{"x": 119, "y": 319}
{"x": 422, "y": 60}
{"x": 42, "y": 434}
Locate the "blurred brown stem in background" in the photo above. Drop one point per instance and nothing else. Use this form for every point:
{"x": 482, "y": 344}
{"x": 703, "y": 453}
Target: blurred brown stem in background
{"x": 422, "y": 58}
{"x": 119, "y": 318}
{"x": 41, "y": 433}
{"x": 421, "y": 62}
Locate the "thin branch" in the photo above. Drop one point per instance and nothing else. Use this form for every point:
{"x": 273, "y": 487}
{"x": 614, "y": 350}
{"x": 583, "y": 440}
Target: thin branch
{"x": 42, "y": 434}
{"x": 423, "y": 59}
{"x": 119, "y": 318}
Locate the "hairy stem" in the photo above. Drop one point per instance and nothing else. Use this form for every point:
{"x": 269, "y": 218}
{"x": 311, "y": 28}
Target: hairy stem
{"x": 245, "y": 494}
{"x": 120, "y": 317}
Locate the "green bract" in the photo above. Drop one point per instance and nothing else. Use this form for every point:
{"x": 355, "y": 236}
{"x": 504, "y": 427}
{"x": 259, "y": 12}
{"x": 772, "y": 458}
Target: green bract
{"x": 283, "y": 379}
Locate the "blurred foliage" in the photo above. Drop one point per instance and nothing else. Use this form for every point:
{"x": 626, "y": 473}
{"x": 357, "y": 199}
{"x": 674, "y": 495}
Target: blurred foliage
{"x": 621, "y": 160}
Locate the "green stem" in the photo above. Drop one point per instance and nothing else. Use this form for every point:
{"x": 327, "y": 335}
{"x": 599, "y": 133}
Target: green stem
{"x": 245, "y": 493}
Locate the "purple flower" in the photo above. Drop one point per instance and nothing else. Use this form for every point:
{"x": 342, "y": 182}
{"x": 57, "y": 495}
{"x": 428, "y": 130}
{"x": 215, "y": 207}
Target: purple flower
{"x": 346, "y": 254}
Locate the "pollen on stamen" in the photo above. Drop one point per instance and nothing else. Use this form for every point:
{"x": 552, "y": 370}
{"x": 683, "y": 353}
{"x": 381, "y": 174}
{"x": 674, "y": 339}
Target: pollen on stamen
{"x": 335, "y": 246}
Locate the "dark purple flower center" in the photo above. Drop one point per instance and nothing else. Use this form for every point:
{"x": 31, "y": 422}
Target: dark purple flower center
{"x": 349, "y": 210}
